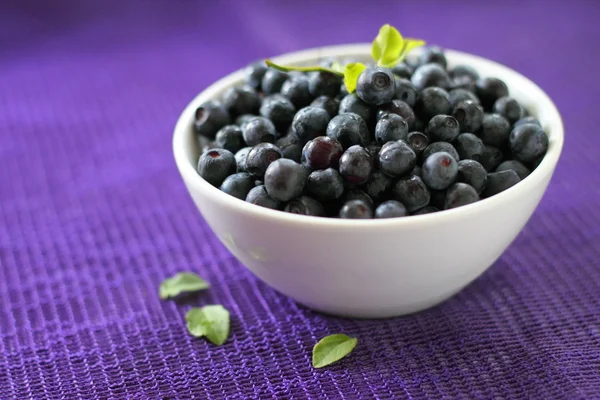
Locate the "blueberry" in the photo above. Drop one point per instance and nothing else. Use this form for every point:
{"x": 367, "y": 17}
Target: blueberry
{"x": 469, "y": 146}
{"x": 209, "y": 118}
{"x": 491, "y": 157}
{"x": 241, "y": 100}
{"x": 230, "y": 138}
{"x": 279, "y": 110}
{"x": 472, "y": 173}
{"x": 418, "y": 171}
{"x": 325, "y": 185}
{"x": 527, "y": 120}
{"x": 428, "y": 75}
{"x": 310, "y": 122}
{"x": 495, "y": 130}
{"x": 349, "y": 129}
{"x": 489, "y": 90}
{"x": 290, "y": 147}
{"x": 285, "y": 179}
{"x": 305, "y": 205}
{"x": 437, "y": 198}
{"x": 528, "y": 142}
{"x": 242, "y": 119}
{"x": 356, "y": 165}
{"x": 353, "y": 104}
{"x": 374, "y": 149}
{"x": 460, "y": 194}
{"x": 328, "y": 104}
{"x": 391, "y": 209}
{"x": 433, "y": 54}
{"x": 253, "y": 74}
{"x": 343, "y": 91}
{"x": 439, "y": 170}
{"x": 390, "y": 127}
{"x": 377, "y": 186}
{"x": 402, "y": 70}
{"x": 412, "y": 192}
{"x": 258, "y": 130}
{"x": 419, "y": 125}
{"x": 272, "y": 81}
{"x": 469, "y": 115}
{"x": 426, "y": 210}
{"x": 400, "y": 108}
{"x": 260, "y": 157}
{"x": 458, "y": 95}
{"x": 357, "y": 194}
{"x": 464, "y": 70}
{"x": 258, "y": 183}
{"x": 396, "y": 158}
{"x": 442, "y": 128}
{"x": 516, "y": 166}
{"x": 238, "y": 185}
{"x": 433, "y": 101}
{"x": 500, "y": 181}
{"x": 376, "y": 86}
{"x": 215, "y": 165}
{"x": 356, "y": 209}
{"x": 240, "y": 158}
{"x": 417, "y": 141}
{"x": 324, "y": 84}
{"x": 509, "y": 108}
{"x": 322, "y": 152}
{"x": 259, "y": 196}
{"x": 406, "y": 91}
{"x": 296, "y": 90}
{"x": 437, "y": 147}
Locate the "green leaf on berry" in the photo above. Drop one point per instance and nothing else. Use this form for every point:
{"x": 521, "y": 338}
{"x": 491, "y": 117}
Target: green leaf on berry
{"x": 351, "y": 73}
{"x": 180, "y": 283}
{"x": 211, "y": 322}
{"x": 389, "y": 47}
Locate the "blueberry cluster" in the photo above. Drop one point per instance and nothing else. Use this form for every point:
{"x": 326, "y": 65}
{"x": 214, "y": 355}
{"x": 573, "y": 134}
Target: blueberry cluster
{"x": 413, "y": 139}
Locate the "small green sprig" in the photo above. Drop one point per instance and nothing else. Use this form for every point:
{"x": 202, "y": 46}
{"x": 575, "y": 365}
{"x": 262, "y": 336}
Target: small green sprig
{"x": 388, "y": 49}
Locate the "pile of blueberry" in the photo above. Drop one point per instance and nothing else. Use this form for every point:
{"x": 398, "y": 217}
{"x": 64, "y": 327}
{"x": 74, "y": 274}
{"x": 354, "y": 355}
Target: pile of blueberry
{"x": 414, "y": 139}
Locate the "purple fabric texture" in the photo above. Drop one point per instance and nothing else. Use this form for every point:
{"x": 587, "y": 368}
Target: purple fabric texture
{"x": 94, "y": 215}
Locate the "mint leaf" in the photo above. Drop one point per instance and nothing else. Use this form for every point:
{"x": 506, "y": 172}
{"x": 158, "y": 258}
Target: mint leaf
{"x": 351, "y": 73}
{"x": 337, "y": 67}
{"x": 180, "y": 283}
{"x": 387, "y": 46}
{"x": 288, "y": 68}
{"x": 331, "y": 349}
{"x": 211, "y": 322}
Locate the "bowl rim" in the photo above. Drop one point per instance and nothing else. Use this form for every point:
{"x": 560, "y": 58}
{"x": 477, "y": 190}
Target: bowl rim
{"x": 191, "y": 177}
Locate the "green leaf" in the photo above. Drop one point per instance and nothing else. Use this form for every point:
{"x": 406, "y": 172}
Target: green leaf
{"x": 387, "y": 46}
{"x": 288, "y": 68}
{"x": 180, "y": 283}
{"x": 351, "y": 73}
{"x": 337, "y": 67}
{"x": 331, "y": 349}
{"x": 211, "y": 322}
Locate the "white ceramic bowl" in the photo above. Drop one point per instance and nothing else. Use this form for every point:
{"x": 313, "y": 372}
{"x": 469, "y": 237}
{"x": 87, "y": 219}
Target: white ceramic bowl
{"x": 371, "y": 268}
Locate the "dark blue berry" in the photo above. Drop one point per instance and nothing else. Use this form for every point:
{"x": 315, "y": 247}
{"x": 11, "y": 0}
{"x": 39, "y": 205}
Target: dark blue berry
{"x": 241, "y": 100}
{"x": 296, "y": 90}
{"x": 516, "y": 166}
{"x": 324, "y": 84}
{"x": 325, "y": 185}
{"x": 356, "y": 209}
{"x": 495, "y": 130}
{"x": 442, "y": 128}
{"x": 437, "y": 198}
{"x": 377, "y": 186}
{"x": 417, "y": 141}
{"x": 258, "y": 130}
{"x": 374, "y": 149}
{"x": 353, "y": 104}
{"x": 464, "y": 70}
{"x": 500, "y": 181}
{"x": 491, "y": 157}
{"x": 356, "y": 194}
{"x": 431, "y": 102}
{"x": 285, "y": 179}
{"x": 290, "y": 147}
{"x": 356, "y": 165}
{"x": 240, "y": 158}
{"x": 305, "y": 205}
{"x": 242, "y": 119}
{"x": 509, "y": 108}
{"x": 260, "y": 157}
{"x": 310, "y": 122}
{"x": 458, "y": 95}
{"x": 390, "y": 127}
{"x": 469, "y": 146}
{"x": 428, "y": 75}
{"x": 230, "y": 138}
{"x": 426, "y": 210}
{"x": 527, "y": 120}
{"x": 402, "y": 70}
{"x": 489, "y": 90}
{"x": 258, "y": 183}
{"x": 417, "y": 170}
{"x": 376, "y": 86}
{"x": 396, "y": 158}
{"x": 528, "y": 142}
{"x": 460, "y": 194}
{"x": 322, "y": 152}
{"x": 254, "y": 73}
{"x": 279, "y": 110}
{"x": 400, "y": 108}
{"x": 328, "y": 104}
{"x": 391, "y": 209}
{"x": 238, "y": 185}
{"x": 343, "y": 91}
{"x": 349, "y": 129}
{"x": 209, "y": 118}
{"x": 433, "y": 54}
{"x": 406, "y": 91}
{"x": 437, "y": 147}
{"x": 272, "y": 81}
{"x": 472, "y": 173}
{"x": 469, "y": 115}
{"x": 439, "y": 170}
{"x": 214, "y": 165}
{"x": 259, "y": 196}
{"x": 412, "y": 192}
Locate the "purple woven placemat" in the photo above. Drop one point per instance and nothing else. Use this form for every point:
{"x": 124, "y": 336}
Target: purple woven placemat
{"x": 94, "y": 215}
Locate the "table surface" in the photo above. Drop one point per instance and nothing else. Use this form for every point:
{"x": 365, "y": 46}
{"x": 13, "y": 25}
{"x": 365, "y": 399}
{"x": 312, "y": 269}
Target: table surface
{"x": 93, "y": 213}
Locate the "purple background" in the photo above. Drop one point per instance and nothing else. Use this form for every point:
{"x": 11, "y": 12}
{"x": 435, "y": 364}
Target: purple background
{"x": 94, "y": 215}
